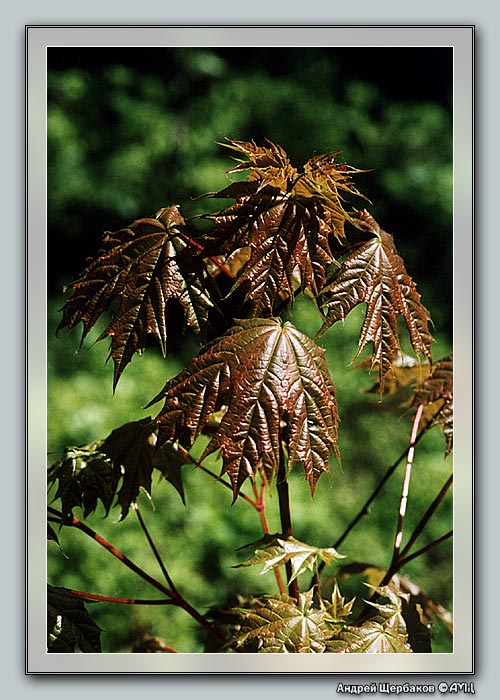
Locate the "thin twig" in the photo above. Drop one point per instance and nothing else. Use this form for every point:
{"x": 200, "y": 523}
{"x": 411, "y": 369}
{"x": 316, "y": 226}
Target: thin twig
{"x": 193, "y": 460}
{"x": 175, "y": 597}
{"x": 123, "y": 601}
{"x": 404, "y": 560}
{"x": 426, "y": 517}
{"x": 154, "y": 549}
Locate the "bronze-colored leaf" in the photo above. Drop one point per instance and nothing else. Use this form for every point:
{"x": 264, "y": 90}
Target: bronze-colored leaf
{"x": 279, "y": 551}
{"x": 283, "y": 625}
{"x": 436, "y": 395}
{"x": 374, "y": 274}
{"x": 277, "y": 388}
{"x": 287, "y": 221}
{"x": 143, "y": 269}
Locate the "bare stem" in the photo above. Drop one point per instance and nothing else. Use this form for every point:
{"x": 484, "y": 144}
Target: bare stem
{"x": 122, "y": 601}
{"x": 186, "y": 455}
{"x": 259, "y": 497}
{"x": 406, "y": 484}
{"x": 215, "y": 260}
{"x": 286, "y": 521}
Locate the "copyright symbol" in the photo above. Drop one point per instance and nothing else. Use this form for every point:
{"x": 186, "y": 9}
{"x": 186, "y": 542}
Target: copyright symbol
{"x": 443, "y": 687}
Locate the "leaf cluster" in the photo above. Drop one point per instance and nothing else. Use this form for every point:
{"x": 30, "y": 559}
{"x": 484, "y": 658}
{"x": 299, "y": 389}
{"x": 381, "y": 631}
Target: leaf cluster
{"x": 286, "y": 625}
{"x": 286, "y": 230}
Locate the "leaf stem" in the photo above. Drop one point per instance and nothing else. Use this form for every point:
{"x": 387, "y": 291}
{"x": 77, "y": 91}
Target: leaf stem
{"x": 193, "y": 460}
{"x": 217, "y": 262}
{"x": 259, "y": 497}
{"x": 285, "y": 518}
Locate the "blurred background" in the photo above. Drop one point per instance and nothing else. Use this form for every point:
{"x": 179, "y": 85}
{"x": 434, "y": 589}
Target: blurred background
{"x": 133, "y": 130}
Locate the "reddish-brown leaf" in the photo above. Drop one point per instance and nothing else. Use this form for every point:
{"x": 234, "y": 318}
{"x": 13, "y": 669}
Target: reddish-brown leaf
{"x": 286, "y": 220}
{"x": 436, "y": 394}
{"x": 276, "y": 387}
{"x": 374, "y": 274}
{"x": 142, "y": 269}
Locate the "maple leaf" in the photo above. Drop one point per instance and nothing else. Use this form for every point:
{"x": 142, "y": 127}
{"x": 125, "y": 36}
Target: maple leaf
{"x": 143, "y": 268}
{"x": 69, "y": 626}
{"x": 374, "y": 273}
{"x": 283, "y": 625}
{"x": 385, "y": 633}
{"x": 436, "y": 395}
{"x": 277, "y": 388}
{"x": 301, "y": 556}
{"x": 338, "y": 610}
{"x": 285, "y": 219}
{"x": 126, "y": 458}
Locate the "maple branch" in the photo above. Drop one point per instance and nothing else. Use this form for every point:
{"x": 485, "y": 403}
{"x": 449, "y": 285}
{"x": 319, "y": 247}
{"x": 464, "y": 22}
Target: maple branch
{"x": 175, "y": 597}
{"x": 364, "y": 510}
{"x": 426, "y": 517}
{"x": 285, "y": 517}
{"x": 404, "y": 560}
{"x": 123, "y": 601}
{"x": 406, "y": 484}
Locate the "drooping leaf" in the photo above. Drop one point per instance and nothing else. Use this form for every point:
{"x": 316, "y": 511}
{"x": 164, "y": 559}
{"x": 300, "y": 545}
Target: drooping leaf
{"x": 122, "y": 463}
{"x": 143, "y": 269}
{"x": 276, "y": 386}
{"x": 283, "y": 625}
{"x": 131, "y": 447}
{"x": 169, "y": 462}
{"x": 436, "y": 395}
{"x": 404, "y": 374}
{"x": 301, "y": 556}
{"x": 374, "y": 274}
{"x": 285, "y": 220}
{"x": 69, "y": 626}
{"x": 85, "y": 475}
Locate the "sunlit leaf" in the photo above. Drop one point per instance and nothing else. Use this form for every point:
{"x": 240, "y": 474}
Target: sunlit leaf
{"x": 374, "y": 274}
{"x": 143, "y": 270}
{"x": 301, "y": 556}
{"x": 285, "y": 221}
{"x": 284, "y": 626}
{"x": 277, "y": 388}
{"x": 436, "y": 395}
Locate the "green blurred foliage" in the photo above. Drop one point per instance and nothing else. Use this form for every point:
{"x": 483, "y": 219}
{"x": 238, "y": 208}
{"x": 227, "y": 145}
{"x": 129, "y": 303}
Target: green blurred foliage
{"x": 126, "y": 137}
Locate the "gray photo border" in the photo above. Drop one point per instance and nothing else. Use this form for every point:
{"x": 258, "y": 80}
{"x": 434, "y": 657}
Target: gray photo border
{"x": 38, "y": 38}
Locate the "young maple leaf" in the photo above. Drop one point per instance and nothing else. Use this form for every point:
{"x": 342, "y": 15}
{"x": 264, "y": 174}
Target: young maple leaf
{"x": 302, "y": 556}
{"x": 285, "y": 219}
{"x": 277, "y": 388}
{"x": 283, "y": 625}
{"x": 143, "y": 268}
{"x": 375, "y": 274}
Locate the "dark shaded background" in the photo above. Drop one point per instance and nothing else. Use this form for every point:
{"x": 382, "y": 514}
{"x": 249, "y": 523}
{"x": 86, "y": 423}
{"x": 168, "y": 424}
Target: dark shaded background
{"x": 131, "y": 130}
